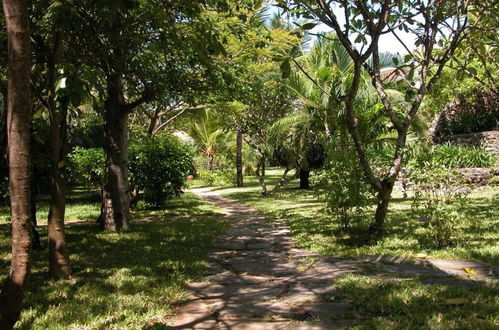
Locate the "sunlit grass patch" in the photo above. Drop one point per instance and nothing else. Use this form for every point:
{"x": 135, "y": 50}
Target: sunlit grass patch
{"x": 130, "y": 279}
{"x": 317, "y": 230}
{"x": 410, "y": 304}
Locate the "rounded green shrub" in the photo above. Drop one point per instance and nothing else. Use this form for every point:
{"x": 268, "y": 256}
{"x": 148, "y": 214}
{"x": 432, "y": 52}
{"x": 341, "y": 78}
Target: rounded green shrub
{"x": 159, "y": 167}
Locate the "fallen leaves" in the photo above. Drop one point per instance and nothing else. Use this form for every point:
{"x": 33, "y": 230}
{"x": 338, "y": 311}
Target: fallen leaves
{"x": 470, "y": 271}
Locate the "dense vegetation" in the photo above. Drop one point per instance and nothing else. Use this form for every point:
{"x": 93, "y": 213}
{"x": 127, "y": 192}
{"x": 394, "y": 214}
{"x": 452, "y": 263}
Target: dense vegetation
{"x": 110, "y": 108}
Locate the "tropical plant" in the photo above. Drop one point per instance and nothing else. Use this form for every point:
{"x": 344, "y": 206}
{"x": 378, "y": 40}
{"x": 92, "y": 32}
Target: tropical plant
{"x": 366, "y": 23}
{"x": 440, "y": 197}
{"x": 207, "y": 133}
{"x": 159, "y": 167}
{"x": 453, "y": 156}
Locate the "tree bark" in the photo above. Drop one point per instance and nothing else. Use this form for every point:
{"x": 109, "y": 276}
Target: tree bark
{"x": 263, "y": 160}
{"x": 260, "y": 174}
{"x": 18, "y": 120}
{"x": 59, "y": 265}
{"x": 384, "y": 196}
{"x": 211, "y": 159}
{"x": 239, "y": 158}
{"x": 284, "y": 179}
{"x": 116, "y": 188}
{"x": 304, "y": 179}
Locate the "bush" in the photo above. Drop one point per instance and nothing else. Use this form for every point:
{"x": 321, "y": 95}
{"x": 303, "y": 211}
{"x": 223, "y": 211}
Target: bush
{"x": 217, "y": 178}
{"x": 440, "y": 196}
{"x": 453, "y": 156}
{"x": 477, "y": 111}
{"x": 346, "y": 193}
{"x": 159, "y": 166}
{"x": 86, "y": 166}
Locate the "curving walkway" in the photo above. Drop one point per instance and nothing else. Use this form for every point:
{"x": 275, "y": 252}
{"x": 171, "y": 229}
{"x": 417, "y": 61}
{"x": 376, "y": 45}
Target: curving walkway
{"x": 259, "y": 280}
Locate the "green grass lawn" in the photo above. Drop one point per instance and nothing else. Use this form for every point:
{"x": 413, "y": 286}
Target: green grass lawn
{"x": 315, "y": 229}
{"x": 411, "y": 304}
{"x": 83, "y": 204}
{"x": 380, "y": 303}
{"x": 121, "y": 280}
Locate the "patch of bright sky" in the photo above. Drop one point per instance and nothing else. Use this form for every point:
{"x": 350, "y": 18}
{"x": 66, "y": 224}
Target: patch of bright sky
{"x": 387, "y": 43}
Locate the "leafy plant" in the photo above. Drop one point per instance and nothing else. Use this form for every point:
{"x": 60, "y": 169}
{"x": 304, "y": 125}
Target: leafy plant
{"x": 159, "y": 167}
{"x": 440, "y": 197}
{"x": 346, "y": 194}
{"x": 86, "y": 166}
{"x": 218, "y": 178}
{"x": 453, "y": 156}
{"x": 476, "y": 111}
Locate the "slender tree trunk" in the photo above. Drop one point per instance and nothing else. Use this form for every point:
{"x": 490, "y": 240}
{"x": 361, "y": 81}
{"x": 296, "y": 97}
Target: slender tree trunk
{"x": 384, "y": 196}
{"x": 304, "y": 179}
{"x": 4, "y": 169}
{"x": 260, "y": 174}
{"x": 211, "y": 159}
{"x": 18, "y": 120}
{"x": 59, "y": 265}
{"x": 284, "y": 179}
{"x": 239, "y": 158}
{"x": 116, "y": 188}
{"x": 263, "y": 160}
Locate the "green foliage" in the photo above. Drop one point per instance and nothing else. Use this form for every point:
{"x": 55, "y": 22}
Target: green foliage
{"x": 453, "y": 156}
{"x": 217, "y": 178}
{"x": 87, "y": 166}
{"x": 440, "y": 196}
{"x": 345, "y": 193}
{"x": 476, "y": 111}
{"x": 159, "y": 166}
{"x": 311, "y": 225}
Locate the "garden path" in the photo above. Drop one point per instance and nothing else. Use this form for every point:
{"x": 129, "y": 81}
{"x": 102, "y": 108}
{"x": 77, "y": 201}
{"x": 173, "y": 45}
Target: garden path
{"x": 260, "y": 280}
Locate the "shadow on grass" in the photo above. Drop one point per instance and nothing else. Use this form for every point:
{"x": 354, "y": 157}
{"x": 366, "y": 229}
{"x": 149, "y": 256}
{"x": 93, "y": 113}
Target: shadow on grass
{"x": 316, "y": 229}
{"x": 121, "y": 279}
{"x": 414, "y": 303}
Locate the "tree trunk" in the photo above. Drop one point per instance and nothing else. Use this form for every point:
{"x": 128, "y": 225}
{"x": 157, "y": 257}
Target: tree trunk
{"x": 211, "y": 159}
{"x": 384, "y": 196}
{"x": 284, "y": 179}
{"x": 304, "y": 179}
{"x": 116, "y": 189}
{"x": 18, "y": 120}
{"x": 239, "y": 158}
{"x": 59, "y": 265}
{"x": 4, "y": 169}
{"x": 260, "y": 174}
{"x": 263, "y": 160}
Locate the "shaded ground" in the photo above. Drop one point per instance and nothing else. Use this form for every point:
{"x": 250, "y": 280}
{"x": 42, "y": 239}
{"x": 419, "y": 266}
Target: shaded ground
{"x": 259, "y": 280}
{"x": 318, "y": 230}
{"x": 127, "y": 280}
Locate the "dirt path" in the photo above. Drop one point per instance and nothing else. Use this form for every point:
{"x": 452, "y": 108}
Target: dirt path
{"x": 261, "y": 281}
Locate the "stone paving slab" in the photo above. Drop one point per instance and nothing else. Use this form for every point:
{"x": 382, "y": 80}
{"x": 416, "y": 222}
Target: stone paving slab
{"x": 457, "y": 267}
{"x": 258, "y": 280}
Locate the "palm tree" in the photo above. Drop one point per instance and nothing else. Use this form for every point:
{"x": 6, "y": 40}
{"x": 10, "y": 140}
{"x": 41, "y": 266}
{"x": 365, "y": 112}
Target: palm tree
{"x": 206, "y": 131}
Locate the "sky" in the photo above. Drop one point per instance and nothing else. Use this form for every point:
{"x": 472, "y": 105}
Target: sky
{"x": 388, "y": 42}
